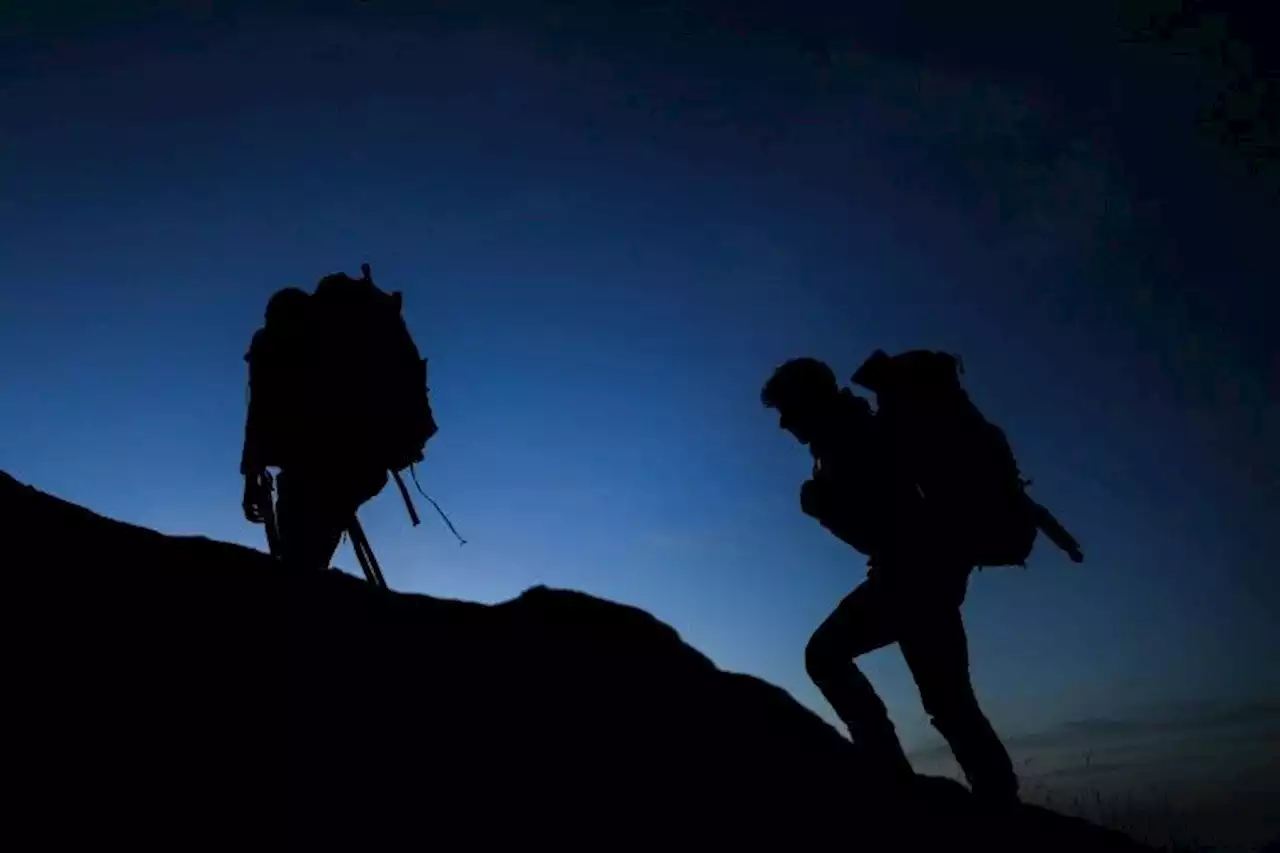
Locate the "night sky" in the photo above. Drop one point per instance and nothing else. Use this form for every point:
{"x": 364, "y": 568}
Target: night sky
{"x": 609, "y": 227}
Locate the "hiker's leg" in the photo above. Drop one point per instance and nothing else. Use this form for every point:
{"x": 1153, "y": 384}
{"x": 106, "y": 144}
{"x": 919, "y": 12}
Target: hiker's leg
{"x": 936, "y": 650}
{"x": 308, "y": 519}
{"x": 334, "y": 515}
{"x": 349, "y": 487}
{"x": 862, "y": 622}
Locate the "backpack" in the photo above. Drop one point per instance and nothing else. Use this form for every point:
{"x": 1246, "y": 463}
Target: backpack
{"x": 361, "y": 340}
{"x": 340, "y": 365}
{"x": 963, "y": 463}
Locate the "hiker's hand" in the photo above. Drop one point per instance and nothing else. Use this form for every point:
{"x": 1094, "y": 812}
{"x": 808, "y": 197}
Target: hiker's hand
{"x": 255, "y": 496}
{"x": 1076, "y": 555}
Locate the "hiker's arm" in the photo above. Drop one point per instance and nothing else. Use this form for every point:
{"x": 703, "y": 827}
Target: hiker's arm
{"x": 251, "y": 452}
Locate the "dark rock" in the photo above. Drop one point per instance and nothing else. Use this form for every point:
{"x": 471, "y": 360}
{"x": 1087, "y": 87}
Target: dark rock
{"x": 176, "y": 691}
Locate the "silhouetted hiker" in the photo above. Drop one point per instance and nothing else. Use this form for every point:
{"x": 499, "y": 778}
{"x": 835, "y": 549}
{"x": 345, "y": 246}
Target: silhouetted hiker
{"x": 337, "y": 398}
{"x": 915, "y": 584}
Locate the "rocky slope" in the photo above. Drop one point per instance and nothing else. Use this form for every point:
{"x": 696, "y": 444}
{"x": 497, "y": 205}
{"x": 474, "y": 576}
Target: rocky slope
{"x": 176, "y": 691}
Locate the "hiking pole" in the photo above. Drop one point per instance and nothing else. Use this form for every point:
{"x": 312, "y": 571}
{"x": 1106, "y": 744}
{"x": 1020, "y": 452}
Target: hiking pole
{"x": 360, "y": 555}
{"x": 359, "y": 551}
{"x": 372, "y": 570}
{"x": 1057, "y": 534}
{"x": 269, "y": 515}
{"x": 364, "y": 553}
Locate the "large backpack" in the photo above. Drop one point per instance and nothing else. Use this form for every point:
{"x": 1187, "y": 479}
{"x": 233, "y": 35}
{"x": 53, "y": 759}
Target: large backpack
{"x": 342, "y": 365}
{"x": 363, "y": 342}
{"x": 963, "y": 463}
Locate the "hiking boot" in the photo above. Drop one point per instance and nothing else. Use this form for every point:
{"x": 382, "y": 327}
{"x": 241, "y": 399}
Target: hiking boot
{"x": 885, "y": 761}
{"x": 1002, "y": 794}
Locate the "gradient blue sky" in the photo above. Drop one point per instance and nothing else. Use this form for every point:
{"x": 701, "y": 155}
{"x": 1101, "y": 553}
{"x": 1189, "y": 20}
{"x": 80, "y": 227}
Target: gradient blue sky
{"x": 609, "y": 229}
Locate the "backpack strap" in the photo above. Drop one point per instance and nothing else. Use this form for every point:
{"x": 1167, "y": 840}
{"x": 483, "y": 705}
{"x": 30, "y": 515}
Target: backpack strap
{"x": 408, "y": 500}
{"x": 405, "y": 493}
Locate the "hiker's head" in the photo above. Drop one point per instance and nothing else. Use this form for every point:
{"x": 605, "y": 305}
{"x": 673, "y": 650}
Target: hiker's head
{"x": 285, "y": 306}
{"x": 803, "y": 391}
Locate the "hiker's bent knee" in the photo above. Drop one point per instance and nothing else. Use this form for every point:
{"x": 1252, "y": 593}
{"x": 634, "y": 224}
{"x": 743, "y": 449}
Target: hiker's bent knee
{"x": 956, "y": 704}
{"x": 821, "y": 655}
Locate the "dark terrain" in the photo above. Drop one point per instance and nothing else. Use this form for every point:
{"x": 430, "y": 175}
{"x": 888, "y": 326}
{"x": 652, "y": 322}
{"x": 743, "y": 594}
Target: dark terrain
{"x": 176, "y": 690}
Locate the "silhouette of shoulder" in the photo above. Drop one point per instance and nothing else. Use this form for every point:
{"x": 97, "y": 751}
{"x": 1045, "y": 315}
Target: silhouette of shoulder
{"x": 256, "y": 345}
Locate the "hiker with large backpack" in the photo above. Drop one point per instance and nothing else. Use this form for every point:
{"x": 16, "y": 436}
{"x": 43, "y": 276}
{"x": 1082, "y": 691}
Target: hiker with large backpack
{"x": 338, "y": 399}
{"x": 866, "y": 493}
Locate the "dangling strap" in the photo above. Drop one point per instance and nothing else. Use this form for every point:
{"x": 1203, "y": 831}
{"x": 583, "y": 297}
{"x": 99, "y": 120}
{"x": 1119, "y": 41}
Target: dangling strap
{"x": 414, "y": 473}
{"x": 408, "y": 501}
